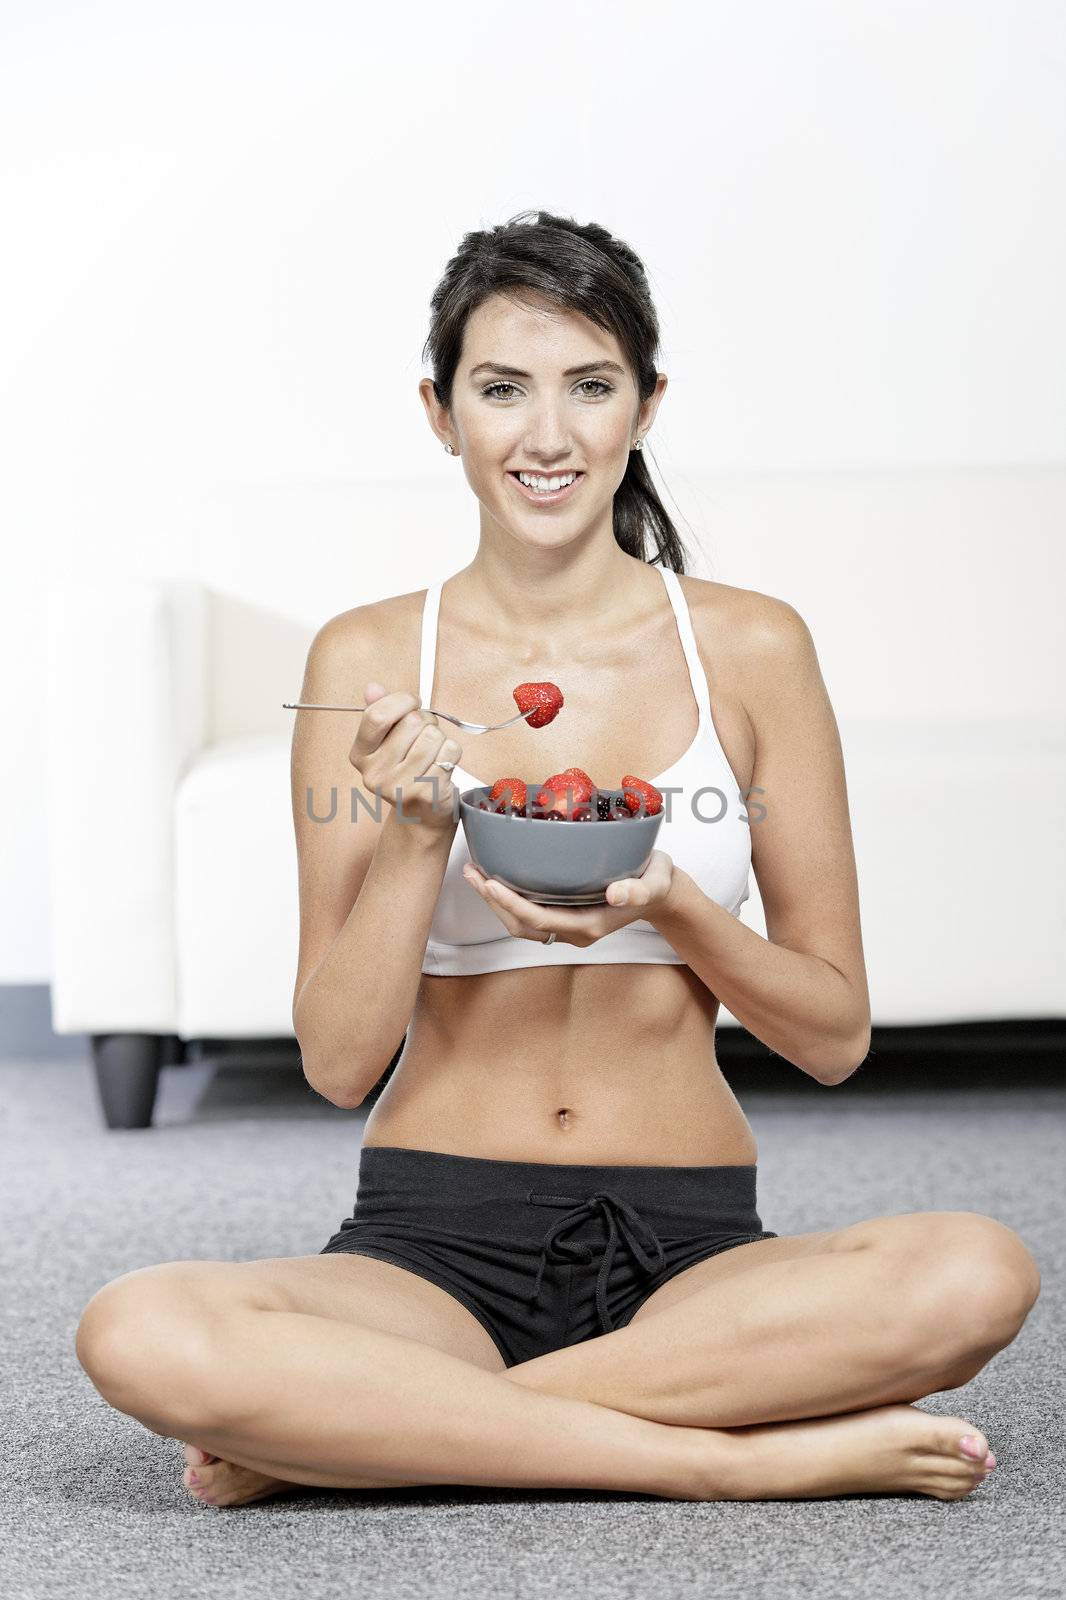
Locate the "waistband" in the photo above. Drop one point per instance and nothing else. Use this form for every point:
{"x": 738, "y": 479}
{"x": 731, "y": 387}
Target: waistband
{"x": 477, "y": 1178}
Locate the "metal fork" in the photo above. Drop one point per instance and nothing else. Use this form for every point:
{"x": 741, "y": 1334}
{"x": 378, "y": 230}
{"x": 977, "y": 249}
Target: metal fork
{"x": 469, "y": 727}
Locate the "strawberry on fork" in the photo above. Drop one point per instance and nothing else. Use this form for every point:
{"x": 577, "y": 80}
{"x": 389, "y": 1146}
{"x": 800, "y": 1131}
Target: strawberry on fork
{"x": 540, "y": 703}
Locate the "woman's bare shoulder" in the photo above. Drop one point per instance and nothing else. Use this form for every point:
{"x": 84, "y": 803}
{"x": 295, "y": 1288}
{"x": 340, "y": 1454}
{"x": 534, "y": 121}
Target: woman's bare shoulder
{"x": 380, "y": 637}
{"x": 750, "y": 629}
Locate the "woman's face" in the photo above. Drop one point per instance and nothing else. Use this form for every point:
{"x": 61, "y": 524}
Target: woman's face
{"x": 541, "y": 417}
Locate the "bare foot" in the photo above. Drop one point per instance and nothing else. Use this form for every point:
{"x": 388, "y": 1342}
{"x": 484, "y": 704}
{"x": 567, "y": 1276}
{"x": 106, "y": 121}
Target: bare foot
{"x": 894, "y": 1449}
{"x": 224, "y": 1483}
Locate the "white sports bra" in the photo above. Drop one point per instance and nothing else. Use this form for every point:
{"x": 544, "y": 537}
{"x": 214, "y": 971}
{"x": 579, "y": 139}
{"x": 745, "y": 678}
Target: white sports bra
{"x": 705, "y": 831}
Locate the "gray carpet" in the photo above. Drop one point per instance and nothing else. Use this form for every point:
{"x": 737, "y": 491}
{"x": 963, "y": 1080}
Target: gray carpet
{"x": 245, "y": 1162}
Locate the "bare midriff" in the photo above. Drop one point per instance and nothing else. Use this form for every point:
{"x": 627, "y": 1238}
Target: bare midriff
{"x": 609, "y": 1064}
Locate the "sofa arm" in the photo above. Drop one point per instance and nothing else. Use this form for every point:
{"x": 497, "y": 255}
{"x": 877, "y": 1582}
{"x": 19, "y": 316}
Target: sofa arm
{"x": 126, "y": 710}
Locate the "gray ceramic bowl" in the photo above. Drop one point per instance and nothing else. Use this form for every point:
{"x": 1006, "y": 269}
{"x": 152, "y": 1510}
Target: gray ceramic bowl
{"x": 555, "y": 863}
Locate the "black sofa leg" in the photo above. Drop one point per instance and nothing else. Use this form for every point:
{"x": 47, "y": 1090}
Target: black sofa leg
{"x": 172, "y": 1050}
{"x": 127, "y": 1075}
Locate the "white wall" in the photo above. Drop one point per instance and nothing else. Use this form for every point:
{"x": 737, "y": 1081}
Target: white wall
{"x": 223, "y": 223}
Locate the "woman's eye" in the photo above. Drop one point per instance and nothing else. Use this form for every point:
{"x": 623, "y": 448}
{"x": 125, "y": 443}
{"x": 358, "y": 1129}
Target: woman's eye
{"x": 601, "y": 386}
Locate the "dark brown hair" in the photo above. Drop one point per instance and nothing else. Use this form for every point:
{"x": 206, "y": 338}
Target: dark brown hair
{"x": 581, "y": 267}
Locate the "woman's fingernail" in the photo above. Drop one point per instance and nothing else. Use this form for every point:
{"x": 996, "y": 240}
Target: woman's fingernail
{"x": 970, "y": 1447}
{"x": 193, "y": 1478}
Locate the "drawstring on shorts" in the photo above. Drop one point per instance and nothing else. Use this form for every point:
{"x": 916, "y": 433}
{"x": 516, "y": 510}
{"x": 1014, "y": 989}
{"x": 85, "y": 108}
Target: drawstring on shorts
{"x": 622, "y": 1219}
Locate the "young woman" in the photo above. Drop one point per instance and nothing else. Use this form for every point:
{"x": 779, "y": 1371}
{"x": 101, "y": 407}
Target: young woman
{"x": 555, "y": 1273}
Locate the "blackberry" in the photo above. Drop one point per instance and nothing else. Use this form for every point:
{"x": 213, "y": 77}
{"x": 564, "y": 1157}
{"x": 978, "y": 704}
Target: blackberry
{"x": 610, "y": 805}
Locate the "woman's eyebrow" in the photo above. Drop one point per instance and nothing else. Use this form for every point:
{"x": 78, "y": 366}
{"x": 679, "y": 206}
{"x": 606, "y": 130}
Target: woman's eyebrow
{"x": 571, "y": 372}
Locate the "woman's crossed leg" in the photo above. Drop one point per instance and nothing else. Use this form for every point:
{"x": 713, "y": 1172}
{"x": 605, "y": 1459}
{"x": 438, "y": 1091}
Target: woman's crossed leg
{"x": 343, "y": 1371}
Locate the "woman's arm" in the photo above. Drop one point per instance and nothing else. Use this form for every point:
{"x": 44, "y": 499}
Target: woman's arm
{"x": 802, "y": 990}
{"x": 367, "y": 887}
{"x": 351, "y": 1013}
{"x": 800, "y": 1005}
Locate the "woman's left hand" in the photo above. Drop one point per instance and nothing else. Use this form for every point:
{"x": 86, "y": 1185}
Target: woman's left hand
{"x": 629, "y": 899}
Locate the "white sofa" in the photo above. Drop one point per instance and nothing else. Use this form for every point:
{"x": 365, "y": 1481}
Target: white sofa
{"x": 174, "y": 907}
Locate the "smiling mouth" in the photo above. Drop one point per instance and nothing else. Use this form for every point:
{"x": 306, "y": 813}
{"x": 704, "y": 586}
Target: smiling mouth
{"x": 549, "y": 497}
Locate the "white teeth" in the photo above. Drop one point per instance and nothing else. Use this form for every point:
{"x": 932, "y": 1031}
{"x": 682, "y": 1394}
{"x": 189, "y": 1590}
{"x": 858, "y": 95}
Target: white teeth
{"x": 546, "y": 485}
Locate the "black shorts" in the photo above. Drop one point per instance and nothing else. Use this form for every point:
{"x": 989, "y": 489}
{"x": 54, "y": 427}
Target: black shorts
{"x": 544, "y": 1254}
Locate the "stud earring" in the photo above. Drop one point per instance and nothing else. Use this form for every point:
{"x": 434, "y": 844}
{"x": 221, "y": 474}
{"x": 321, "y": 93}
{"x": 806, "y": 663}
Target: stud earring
{"x": 638, "y": 444}
{"x": 449, "y": 449}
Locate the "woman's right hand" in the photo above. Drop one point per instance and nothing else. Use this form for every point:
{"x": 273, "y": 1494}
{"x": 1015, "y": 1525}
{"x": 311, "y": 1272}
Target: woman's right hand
{"x": 397, "y": 743}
